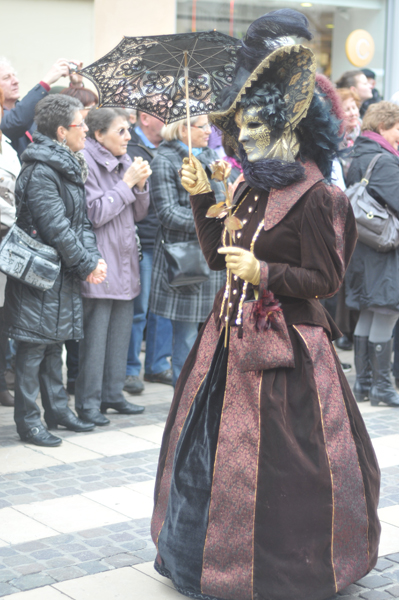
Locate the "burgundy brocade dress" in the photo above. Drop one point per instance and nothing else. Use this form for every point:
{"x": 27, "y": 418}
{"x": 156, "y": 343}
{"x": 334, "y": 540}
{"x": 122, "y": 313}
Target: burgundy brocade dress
{"x": 267, "y": 484}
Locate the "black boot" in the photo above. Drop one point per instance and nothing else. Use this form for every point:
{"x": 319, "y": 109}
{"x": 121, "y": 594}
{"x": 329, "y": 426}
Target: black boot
{"x": 382, "y": 389}
{"x": 68, "y": 420}
{"x": 364, "y": 377}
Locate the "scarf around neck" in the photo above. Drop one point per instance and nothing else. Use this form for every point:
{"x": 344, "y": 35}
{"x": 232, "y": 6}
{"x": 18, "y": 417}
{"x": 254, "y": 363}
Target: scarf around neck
{"x": 376, "y": 137}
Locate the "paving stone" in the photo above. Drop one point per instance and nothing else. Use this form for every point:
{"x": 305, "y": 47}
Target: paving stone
{"x": 120, "y": 526}
{"x": 56, "y": 563}
{"x": 58, "y": 540}
{"x": 375, "y": 595}
{"x": 28, "y": 582}
{"x": 19, "y": 491}
{"x": 7, "y": 551}
{"x": 106, "y": 551}
{"x": 19, "y": 559}
{"x": 137, "y": 544}
{"x": 122, "y": 537}
{"x": 86, "y": 555}
{"x": 95, "y": 566}
{"x": 66, "y": 573}
{"x": 146, "y": 555}
{"x": 351, "y": 589}
{"x": 70, "y": 548}
{"x": 383, "y": 564}
{"x": 30, "y": 546}
{"x": 46, "y": 554}
{"x": 29, "y": 568}
{"x": 93, "y": 533}
{"x": 394, "y": 591}
{"x": 96, "y": 542}
{"x": 373, "y": 581}
{"x": 394, "y": 557}
{"x": 6, "y": 589}
{"x": 122, "y": 560}
{"x": 6, "y": 575}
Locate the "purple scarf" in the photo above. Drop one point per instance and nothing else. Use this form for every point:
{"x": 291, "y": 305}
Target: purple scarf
{"x": 376, "y": 137}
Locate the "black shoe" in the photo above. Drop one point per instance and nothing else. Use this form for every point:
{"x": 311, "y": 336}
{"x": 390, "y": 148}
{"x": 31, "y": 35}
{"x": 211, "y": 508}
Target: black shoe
{"x": 39, "y": 436}
{"x": 364, "y": 376}
{"x": 163, "y": 377}
{"x": 344, "y": 343}
{"x": 124, "y": 408}
{"x": 69, "y": 421}
{"x": 93, "y": 415}
{"x": 9, "y": 376}
{"x": 382, "y": 389}
{"x": 70, "y": 387}
{"x": 346, "y": 367}
{"x": 133, "y": 385}
{"x": 6, "y": 399}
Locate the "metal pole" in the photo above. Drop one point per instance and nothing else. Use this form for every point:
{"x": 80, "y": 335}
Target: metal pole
{"x": 187, "y": 103}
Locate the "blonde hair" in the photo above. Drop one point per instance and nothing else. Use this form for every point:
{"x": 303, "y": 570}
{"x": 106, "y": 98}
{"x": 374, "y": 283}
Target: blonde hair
{"x": 173, "y": 131}
{"x": 382, "y": 115}
{"x": 346, "y": 93}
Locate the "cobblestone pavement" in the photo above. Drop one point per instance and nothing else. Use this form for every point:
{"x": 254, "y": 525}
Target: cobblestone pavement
{"x": 74, "y": 520}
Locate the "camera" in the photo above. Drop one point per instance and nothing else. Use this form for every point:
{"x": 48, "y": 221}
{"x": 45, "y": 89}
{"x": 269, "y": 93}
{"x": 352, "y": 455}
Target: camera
{"x": 72, "y": 67}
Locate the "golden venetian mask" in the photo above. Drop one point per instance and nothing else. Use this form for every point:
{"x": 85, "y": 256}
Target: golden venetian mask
{"x": 260, "y": 141}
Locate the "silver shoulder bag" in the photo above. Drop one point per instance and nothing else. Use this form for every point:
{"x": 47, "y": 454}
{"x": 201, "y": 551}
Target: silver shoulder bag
{"x": 377, "y": 225}
{"x": 26, "y": 259}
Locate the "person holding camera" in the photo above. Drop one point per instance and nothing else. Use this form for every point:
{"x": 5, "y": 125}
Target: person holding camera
{"x": 18, "y": 118}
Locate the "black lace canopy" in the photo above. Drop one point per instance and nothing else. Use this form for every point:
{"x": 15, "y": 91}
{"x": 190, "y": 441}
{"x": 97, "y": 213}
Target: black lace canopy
{"x": 148, "y": 74}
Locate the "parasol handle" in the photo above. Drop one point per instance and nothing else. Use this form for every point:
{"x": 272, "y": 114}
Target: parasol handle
{"x": 187, "y": 105}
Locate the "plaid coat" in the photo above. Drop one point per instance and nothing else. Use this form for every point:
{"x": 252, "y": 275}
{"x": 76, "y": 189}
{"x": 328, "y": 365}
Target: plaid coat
{"x": 172, "y": 204}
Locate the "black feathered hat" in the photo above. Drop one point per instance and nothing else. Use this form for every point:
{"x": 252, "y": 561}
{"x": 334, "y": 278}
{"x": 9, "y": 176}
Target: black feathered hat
{"x": 268, "y": 60}
{"x": 267, "y": 56}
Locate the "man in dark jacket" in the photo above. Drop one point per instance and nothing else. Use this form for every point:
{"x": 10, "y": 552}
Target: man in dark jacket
{"x": 17, "y": 123}
{"x": 144, "y": 142}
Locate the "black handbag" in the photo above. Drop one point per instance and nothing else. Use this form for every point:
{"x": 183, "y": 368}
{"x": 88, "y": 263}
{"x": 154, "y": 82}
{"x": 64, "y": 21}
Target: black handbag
{"x": 377, "y": 225}
{"x": 27, "y": 259}
{"x": 186, "y": 265}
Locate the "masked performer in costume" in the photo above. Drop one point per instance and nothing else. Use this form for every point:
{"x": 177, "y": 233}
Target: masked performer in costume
{"x": 267, "y": 485}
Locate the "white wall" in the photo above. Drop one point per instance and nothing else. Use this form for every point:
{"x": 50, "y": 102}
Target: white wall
{"x": 372, "y": 21}
{"x": 34, "y": 33}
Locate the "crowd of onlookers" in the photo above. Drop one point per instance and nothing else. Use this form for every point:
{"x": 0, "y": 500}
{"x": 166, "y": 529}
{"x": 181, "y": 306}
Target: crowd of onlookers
{"x": 101, "y": 185}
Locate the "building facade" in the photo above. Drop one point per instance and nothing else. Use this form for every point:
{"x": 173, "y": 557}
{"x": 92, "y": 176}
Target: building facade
{"x": 44, "y": 30}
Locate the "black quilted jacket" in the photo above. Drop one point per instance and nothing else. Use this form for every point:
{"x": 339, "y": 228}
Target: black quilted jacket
{"x": 56, "y": 215}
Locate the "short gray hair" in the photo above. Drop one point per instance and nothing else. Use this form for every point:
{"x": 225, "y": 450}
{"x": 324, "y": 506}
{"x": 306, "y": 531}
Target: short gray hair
{"x": 100, "y": 119}
{"x": 173, "y": 131}
{"x": 5, "y": 61}
{"x": 54, "y": 111}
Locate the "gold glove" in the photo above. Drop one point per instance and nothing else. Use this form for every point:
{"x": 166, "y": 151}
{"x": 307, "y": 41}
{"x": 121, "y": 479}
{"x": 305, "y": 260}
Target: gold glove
{"x": 242, "y": 263}
{"x": 193, "y": 177}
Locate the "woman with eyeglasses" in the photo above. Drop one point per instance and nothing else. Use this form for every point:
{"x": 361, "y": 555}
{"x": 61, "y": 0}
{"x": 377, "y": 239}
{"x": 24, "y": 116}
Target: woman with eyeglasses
{"x": 117, "y": 197}
{"x": 186, "y": 306}
{"x": 50, "y": 192}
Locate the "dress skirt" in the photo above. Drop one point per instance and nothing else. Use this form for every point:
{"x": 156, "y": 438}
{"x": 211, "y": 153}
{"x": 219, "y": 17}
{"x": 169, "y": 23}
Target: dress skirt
{"x": 267, "y": 485}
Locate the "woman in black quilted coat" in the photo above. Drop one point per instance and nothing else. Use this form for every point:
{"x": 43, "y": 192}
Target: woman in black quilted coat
{"x": 53, "y": 211}
{"x": 372, "y": 282}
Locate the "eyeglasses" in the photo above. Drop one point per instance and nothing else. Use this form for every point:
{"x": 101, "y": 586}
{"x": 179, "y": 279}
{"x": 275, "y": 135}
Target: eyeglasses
{"x": 122, "y": 131}
{"x": 203, "y": 127}
{"x": 81, "y": 124}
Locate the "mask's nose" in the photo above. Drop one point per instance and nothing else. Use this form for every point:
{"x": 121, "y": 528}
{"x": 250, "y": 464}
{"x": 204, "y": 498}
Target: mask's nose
{"x": 243, "y": 137}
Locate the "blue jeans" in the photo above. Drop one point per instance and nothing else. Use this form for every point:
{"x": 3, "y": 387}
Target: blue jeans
{"x": 184, "y": 336}
{"x": 159, "y": 329}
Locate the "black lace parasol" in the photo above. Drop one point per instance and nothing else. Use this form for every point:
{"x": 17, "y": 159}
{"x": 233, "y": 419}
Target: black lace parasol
{"x": 162, "y": 75}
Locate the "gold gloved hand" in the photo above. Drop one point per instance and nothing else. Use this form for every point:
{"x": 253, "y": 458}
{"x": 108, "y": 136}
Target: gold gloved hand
{"x": 193, "y": 177}
{"x": 242, "y": 263}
